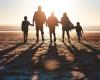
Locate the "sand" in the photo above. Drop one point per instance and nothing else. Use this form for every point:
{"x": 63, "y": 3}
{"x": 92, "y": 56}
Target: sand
{"x": 46, "y": 61}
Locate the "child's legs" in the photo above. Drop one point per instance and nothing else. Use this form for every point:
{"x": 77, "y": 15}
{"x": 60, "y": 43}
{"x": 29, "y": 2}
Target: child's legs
{"x": 78, "y": 35}
{"x": 25, "y": 35}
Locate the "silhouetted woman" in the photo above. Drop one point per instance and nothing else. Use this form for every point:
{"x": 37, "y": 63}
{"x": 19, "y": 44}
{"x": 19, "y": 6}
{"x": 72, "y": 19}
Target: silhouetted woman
{"x": 66, "y": 26}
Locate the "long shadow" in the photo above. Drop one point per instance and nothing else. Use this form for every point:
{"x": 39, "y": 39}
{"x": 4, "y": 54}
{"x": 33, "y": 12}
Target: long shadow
{"x": 5, "y": 51}
{"x": 24, "y": 60}
{"x": 57, "y": 73}
{"x": 27, "y": 55}
{"x": 87, "y": 61}
{"x": 91, "y": 48}
{"x": 52, "y": 54}
{"x": 90, "y": 56}
{"x": 23, "y": 65}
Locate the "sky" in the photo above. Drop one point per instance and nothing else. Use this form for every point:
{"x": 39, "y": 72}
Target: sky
{"x": 87, "y": 12}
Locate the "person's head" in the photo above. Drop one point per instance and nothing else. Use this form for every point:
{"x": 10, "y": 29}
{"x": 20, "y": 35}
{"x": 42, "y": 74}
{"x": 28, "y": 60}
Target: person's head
{"x": 39, "y": 8}
{"x": 64, "y": 14}
{"x": 52, "y": 13}
{"x": 78, "y": 23}
{"x": 25, "y": 17}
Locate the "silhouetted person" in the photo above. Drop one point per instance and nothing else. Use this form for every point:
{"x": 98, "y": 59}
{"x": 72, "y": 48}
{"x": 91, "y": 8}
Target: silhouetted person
{"x": 39, "y": 18}
{"x": 24, "y": 28}
{"x": 66, "y": 26}
{"x": 52, "y": 22}
{"x": 79, "y": 31}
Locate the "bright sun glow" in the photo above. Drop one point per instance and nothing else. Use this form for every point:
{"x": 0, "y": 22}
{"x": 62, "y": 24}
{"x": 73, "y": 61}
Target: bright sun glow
{"x": 84, "y": 11}
{"x": 56, "y": 6}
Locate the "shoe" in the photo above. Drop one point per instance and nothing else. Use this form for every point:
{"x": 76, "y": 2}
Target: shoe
{"x": 62, "y": 40}
{"x": 55, "y": 40}
{"x": 37, "y": 41}
{"x": 43, "y": 39}
{"x": 69, "y": 41}
{"x": 51, "y": 41}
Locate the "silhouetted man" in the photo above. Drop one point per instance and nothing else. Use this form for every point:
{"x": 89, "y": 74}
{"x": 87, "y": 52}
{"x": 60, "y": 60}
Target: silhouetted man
{"x": 24, "y": 28}
{"x": 52, "y": 22}
{"x": 66, "y": 26}
{"x": 39, "y": 18}
{"x": 79, "y": 31}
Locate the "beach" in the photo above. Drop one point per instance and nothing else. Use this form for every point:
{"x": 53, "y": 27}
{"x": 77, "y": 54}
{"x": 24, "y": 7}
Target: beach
{"x": 44, "y": 61}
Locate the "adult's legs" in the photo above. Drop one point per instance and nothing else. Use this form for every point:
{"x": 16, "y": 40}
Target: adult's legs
{"x": 42, "y": 34}
{"x": 54, "y": 35}
{"x": 68, "y": 35}
{"x": 50, "y": 32}
{"x": 37, "y": 34}
{"x": 63, "y": 33}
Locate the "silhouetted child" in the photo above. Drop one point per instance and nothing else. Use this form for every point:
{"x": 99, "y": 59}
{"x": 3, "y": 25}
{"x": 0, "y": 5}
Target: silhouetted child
{"x": 79, "y": 31}
{"x": 24, "y": 28}
{"x": 52, "y": 22}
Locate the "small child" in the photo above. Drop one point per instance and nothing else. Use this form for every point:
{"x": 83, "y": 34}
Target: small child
{"x": 24, "y": 28}
{"x": 79, "y": 31}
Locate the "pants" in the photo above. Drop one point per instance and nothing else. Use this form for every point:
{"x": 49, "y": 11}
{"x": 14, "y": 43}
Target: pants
{"x": 79, "y": 35}
{"x": 52, "y": 31}
{"x": 25, "y": 34}
{"x": 63, "y": 34}
{"x": 39, "y": 28}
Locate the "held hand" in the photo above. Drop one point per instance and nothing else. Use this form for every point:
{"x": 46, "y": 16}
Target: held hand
{"x": 82, "y": 32}
{"x": 46, "y": 24}
{"x": 59, "y": 21}
{"x": 32, "y": 24}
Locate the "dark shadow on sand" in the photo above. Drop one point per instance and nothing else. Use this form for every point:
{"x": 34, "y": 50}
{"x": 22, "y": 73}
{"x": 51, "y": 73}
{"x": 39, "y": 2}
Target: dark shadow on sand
{"x": 26, "y": 56}
{"x": 86, "y": 61}
{"x": 24, "y": 60}
{"x": 91, "y": 48}
{"x": 53, "y": 54}
{"x": 57, "y": 73}
{"x": 5, "y": 51}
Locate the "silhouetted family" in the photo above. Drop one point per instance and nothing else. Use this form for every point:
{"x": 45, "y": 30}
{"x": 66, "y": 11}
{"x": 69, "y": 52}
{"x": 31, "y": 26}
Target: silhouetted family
{"x": 39, "y": 19}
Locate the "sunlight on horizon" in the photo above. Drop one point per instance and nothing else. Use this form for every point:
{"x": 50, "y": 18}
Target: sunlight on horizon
{"x": 85, "y": 11}
{"x": 56, "y": 6}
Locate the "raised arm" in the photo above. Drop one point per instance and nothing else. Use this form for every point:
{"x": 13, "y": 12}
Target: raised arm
{"x": 30, "y": 24}
{"x": 34, "y": 18}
